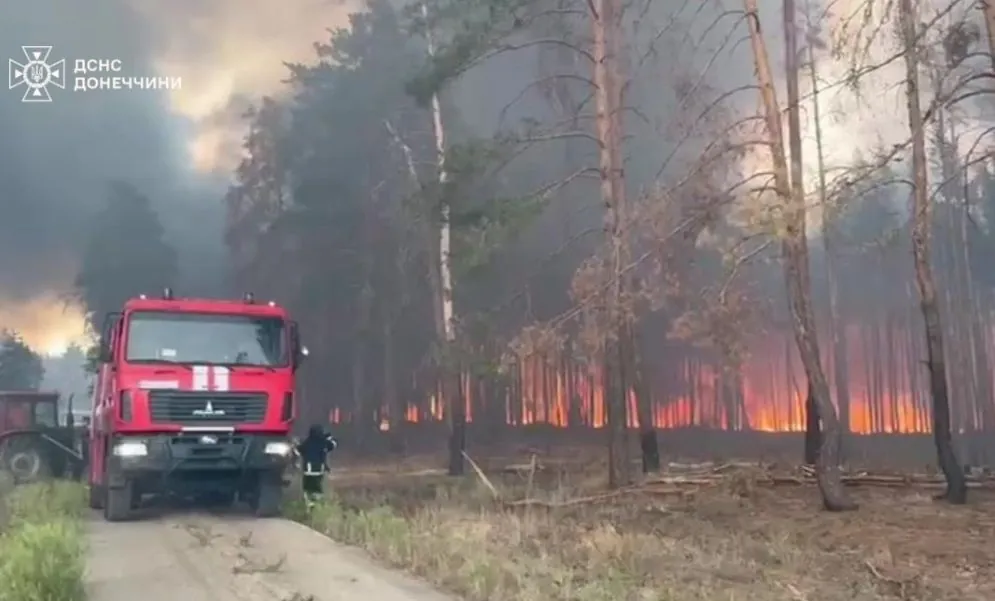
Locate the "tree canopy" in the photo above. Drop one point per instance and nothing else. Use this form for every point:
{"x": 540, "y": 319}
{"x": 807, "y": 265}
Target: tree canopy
{"x": 20, "y": 367}
{"x": 126, "y": 253}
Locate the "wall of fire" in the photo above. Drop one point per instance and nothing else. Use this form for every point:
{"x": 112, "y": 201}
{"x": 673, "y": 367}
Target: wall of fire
{"x": 887, "y": 386}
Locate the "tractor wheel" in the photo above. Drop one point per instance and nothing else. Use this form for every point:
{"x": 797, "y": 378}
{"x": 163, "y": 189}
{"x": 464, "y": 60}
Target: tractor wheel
{"x": 25, "y": 460}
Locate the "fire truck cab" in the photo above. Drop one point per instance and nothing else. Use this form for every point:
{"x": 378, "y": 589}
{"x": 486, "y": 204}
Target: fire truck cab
{"x": 193, "y": 398}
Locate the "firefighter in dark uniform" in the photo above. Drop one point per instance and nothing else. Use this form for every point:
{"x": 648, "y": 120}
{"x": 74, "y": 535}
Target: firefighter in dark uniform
{"x": 313, "y": 451}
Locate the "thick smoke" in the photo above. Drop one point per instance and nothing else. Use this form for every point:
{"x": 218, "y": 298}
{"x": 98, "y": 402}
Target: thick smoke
{"x": 179, "y": 147}
{"x": 56, "y": 159}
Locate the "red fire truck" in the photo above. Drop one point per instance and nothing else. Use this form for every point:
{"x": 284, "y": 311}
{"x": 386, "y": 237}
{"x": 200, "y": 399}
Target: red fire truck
{"x": 193, "y": 398}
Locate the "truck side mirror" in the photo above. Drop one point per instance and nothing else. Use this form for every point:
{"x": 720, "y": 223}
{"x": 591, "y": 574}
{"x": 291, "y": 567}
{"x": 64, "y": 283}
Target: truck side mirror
{"x": 106, "y": 350}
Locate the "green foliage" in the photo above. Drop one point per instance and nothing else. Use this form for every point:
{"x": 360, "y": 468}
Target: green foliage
{"x": 126, "y": 253}
{"x": 20, "y": 367}
{"x": 484, "y": 230}
{"x": 483, "y": 223}
{"x": 465, "y": 31}
{"x": 42, "y": 543}
{"x": 91, "y": 361}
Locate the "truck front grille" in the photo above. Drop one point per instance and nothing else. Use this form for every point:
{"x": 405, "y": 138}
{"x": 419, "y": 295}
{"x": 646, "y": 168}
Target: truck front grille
{"x": 206, "y": 408}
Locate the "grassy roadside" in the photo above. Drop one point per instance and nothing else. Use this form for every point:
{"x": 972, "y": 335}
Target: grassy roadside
{"x": 41, "y": 541}
{"x": 719, "y": 543}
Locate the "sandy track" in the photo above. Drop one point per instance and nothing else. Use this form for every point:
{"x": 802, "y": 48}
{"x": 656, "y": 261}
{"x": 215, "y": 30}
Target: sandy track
{"x": 204, "y": 557}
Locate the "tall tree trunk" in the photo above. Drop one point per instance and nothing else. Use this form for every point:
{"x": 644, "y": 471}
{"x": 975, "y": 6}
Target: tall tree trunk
{"x": 913, "y": 362}
{"x": 813, "y": 435}
{"x": 362, "y": 412}
{"x": 837, "y": 326}
{"x": 921, "y": 220}
{"x": 892, "y": 374}
{"x": 874, "y": 364}
{"x": 795, "y": 252}
{"x": 445, "y": 314}
{"x": 988, "y": 9}
{"x": 607, "y": 95}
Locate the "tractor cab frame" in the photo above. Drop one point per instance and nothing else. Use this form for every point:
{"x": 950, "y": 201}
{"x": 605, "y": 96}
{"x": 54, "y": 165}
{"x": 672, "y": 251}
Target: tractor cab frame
{"x": 33, "y": 444}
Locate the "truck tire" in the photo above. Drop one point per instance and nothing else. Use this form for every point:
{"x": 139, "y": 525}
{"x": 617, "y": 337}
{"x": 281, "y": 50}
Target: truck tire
{"x": 268, "y": 498}
{"x": 119, "y": 502}
{"x": 96, "y": 496}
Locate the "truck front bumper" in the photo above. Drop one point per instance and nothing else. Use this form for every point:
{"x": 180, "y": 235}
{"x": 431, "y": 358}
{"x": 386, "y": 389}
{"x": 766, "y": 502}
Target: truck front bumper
{"x": 188, "y": 452}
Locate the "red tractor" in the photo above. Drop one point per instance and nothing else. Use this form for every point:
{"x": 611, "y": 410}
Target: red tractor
{"x": 193, "y": 398}
{"x": 33, "y": 444}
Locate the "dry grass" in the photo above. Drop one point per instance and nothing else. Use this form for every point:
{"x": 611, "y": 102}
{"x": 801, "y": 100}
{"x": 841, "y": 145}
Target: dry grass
{"x": 733, "y": 541}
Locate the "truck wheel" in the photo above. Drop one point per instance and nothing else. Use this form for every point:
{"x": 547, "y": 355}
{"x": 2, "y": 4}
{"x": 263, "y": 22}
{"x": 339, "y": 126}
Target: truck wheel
{"x": 119, "y": 502}
{"x": 96, "y": 496}
{"x": 268, "y": 498}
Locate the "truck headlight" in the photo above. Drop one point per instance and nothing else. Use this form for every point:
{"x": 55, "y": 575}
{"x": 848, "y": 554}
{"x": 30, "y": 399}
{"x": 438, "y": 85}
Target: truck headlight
{"x": 277, "y": 448}
{"x": 131, "y": 449}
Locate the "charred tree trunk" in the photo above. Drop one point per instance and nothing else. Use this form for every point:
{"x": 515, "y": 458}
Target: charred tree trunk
{"x": 362, "y": 413}
{"x": 456, "y": 407}
{"x": 874, "y": 364}
{"x": 892, "y": 375}
{"x": 793, "y": 391}
{"x": 394, "y": 402}
{"x": 913, "y": 364}
{"x": 744, "y": 419}
{"x": 616, "y": 427}
{"x": 921, "y": 221}
{"x": 648, "y": 445}
{"x": 795, "y": 252}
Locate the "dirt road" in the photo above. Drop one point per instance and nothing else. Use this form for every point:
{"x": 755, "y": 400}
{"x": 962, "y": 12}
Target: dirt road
{"x": 204, "y": 557}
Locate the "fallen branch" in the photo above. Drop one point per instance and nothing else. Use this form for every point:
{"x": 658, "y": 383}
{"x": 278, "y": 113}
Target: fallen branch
{"x": 855, "y": 482}
{"x": 807, "y": 476}
{"x": 483, "y": 477}
{"x": 710, "y": 466}
{"x": 607, "y": 496}
{"x": 697, "y": 480}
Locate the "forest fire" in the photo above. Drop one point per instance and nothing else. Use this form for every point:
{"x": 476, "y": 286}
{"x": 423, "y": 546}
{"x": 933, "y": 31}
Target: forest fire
{"x": 887, "y": 393}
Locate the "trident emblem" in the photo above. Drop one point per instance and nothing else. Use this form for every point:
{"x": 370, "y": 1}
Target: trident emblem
{"x": 36, "y": 74}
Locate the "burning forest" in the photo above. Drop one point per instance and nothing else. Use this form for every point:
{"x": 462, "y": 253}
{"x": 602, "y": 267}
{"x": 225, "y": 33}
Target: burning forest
{"x": 886, "y": 394}
{"x": 574, "y": 299}
{"x": 732, "y": 278}
{"x": 511, "y": 214}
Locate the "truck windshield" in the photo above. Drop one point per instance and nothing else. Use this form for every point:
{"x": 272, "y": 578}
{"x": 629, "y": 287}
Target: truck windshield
{"x": 159, "y": 336}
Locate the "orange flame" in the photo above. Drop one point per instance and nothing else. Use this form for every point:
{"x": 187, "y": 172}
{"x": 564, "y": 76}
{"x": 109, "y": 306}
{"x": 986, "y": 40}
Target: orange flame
{"x": 887, "y": 392}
